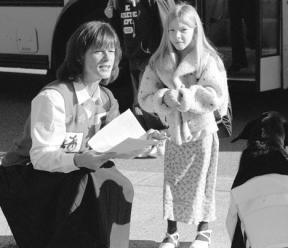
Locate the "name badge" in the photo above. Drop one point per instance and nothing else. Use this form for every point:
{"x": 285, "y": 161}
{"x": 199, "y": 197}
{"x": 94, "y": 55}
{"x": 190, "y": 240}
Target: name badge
{"x": 72, "y": 142}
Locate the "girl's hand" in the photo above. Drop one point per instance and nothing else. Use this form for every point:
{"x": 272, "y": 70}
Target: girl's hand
{"x": 170, "y": 98}
{"x": 92, "y": 159}
{"x": 185, "y": 100}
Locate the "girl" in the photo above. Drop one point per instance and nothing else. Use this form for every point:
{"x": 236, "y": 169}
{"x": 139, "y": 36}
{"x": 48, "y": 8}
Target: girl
{"x": 54, "y": 190}
{"x": 184, "y": 83}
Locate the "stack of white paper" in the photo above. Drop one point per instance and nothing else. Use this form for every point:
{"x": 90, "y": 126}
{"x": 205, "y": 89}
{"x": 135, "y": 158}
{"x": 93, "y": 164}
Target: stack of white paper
{"x": 122, "y": 135}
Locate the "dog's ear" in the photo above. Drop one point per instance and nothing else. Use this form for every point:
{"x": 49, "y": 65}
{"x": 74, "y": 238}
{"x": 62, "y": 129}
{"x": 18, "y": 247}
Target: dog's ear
{"x": 247, "y": 130}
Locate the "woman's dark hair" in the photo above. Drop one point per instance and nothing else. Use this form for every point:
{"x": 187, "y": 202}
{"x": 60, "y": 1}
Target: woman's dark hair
{"x": 95, "y": 34}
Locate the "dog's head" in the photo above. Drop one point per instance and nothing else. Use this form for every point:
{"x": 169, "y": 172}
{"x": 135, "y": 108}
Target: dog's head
{"x": 271, "y": 127}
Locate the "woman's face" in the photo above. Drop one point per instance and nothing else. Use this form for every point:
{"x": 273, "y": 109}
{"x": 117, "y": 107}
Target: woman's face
{"x": 181, "y": 35}
{"x": 98, "y": 63}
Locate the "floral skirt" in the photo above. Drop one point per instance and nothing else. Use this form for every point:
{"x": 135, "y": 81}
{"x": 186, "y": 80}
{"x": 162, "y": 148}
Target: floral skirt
{"x": 78, "y": 209}
{"x": 190, "y": 172}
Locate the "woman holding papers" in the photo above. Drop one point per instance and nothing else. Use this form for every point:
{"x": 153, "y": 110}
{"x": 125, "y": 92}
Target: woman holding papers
{"x": 54, "y": 190}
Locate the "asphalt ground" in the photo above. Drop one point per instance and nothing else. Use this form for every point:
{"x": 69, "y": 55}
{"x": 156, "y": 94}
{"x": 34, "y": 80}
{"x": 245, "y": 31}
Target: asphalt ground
{"x": 147, "y": 225}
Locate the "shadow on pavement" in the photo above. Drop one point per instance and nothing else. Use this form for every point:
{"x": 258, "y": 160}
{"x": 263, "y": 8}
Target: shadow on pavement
{"x": 152, "y": 244}
{"x": 9, "y": 242}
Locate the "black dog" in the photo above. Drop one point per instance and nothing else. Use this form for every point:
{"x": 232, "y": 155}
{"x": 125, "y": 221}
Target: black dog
{"x": 267, "y": 137}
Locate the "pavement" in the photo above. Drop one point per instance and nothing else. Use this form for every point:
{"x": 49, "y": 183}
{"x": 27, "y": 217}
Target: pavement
{"x": 147, "y": 225}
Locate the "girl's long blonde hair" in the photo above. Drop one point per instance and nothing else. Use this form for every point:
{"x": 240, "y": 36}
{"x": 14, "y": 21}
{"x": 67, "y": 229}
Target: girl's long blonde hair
{"x": 165, "y": 56}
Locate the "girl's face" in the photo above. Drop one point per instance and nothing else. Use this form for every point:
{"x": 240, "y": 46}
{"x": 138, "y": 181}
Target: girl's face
{"x": 181, "y": 35}
{"x": 98, "y": 63}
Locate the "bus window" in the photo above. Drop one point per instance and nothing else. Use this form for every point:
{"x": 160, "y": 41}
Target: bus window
{"x": 270, "y": 27}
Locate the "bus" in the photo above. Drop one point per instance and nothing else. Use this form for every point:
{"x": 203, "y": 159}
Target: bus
{"x": 34, "y": 34}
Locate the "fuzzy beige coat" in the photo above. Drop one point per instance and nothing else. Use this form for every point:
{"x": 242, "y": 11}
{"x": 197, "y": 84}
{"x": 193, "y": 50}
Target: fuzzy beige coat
{"x": 202, "y": 92}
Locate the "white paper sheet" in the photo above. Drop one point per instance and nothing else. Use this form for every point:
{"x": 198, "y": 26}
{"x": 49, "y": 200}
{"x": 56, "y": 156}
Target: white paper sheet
{"x": 122, "y": 135}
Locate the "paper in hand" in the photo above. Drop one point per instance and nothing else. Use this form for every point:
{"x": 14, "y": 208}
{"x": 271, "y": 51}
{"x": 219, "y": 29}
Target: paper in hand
{"x": 122, "y": 135}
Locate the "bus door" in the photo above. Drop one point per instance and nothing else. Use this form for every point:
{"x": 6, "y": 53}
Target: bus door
{"x": 247, "y": 34}
{"x": 285, "y": 43}
{"x": 270, "y": 45}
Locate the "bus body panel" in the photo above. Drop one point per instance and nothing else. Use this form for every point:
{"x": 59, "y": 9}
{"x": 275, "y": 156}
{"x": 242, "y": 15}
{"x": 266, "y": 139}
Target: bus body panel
{"x": 20, "y": 33}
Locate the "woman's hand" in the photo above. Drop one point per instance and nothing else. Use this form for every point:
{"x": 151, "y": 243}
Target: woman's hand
{"x": 170, "y": 98}
{"x": 92, "y": 159}
{"x": 153, "y": 134}
{"x": 161, "y": 137}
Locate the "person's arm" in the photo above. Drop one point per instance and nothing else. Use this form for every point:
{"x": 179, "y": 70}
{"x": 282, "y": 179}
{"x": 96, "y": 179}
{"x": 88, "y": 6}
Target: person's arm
{"x": 108, "y": 11}
{"x": 209, "y": 93}
{"x": 48, "y": 133}
{"x": 164, "y": 6}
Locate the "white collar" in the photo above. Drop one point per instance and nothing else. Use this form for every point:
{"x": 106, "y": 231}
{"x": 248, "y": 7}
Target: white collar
{"x": 83, "y": 95}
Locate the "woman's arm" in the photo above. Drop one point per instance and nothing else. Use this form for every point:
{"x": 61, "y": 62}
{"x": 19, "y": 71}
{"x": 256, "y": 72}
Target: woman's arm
{"x": 48, "y": 133}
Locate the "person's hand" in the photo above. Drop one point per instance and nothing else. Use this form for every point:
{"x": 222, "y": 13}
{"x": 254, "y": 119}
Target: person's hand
{"x": 108, "y": 11}
{"x": 184, "y": 103}
{"x": 161, "y": 137}
{"x": 170, "y": 98}
{"x": 92, "y": 159}
{"x": 153, "y": 134}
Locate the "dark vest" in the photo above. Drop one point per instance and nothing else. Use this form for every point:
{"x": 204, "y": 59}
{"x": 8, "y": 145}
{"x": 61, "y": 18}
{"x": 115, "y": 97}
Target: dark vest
{"x": 141, "y": 28}
{"x": 76, "y": 121}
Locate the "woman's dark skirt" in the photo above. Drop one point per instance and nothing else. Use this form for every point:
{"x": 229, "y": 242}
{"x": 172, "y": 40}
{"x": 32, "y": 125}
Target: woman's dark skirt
{"x": 78, "y": 209}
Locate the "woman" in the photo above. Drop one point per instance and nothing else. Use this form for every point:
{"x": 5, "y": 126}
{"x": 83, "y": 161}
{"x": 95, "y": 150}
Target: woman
{"x": 55, "y": 191}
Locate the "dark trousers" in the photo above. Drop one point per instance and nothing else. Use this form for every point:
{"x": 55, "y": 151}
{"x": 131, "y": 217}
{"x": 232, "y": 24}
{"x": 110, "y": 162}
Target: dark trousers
{"x": 242, "y": 11}
{"x": 77, "y": 209}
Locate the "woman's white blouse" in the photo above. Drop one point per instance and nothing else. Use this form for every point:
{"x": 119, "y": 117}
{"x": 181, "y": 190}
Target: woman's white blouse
{"x": 48, "y": 129}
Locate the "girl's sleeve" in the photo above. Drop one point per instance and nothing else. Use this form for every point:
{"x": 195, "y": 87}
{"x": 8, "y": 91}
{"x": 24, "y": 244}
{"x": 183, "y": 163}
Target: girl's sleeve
{"x": 48, "y": 131}
{"x": 210, "y": 92}
{"x": 151, "y": 92}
